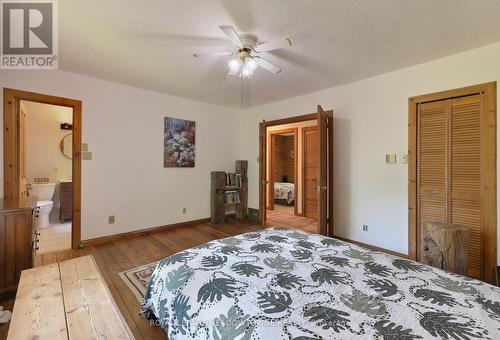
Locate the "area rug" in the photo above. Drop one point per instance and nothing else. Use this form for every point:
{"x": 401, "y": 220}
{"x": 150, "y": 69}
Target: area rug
{"x": 137, "y": 279}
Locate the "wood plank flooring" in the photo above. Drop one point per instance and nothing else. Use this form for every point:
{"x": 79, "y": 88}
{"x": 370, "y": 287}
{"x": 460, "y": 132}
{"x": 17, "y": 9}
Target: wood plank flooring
{"x": 56, "y": 237}
{"x": 279, "y": 218}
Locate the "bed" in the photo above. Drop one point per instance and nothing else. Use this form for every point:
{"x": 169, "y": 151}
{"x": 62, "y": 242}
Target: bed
{"x": 286, "y": 284}
{"x": 283, "y": 193}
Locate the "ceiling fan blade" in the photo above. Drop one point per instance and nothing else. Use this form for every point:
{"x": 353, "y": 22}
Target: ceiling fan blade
{"x": 274, "y": 45}
{"x": 230, "y": 32}
{"x": 215, "y": 54}
{"x": 267, "y": 65}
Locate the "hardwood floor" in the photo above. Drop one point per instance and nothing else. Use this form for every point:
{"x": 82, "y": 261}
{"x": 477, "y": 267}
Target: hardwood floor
{"x": 285, "y": 209}
{"x": 116, "y": 256}
{"x": 56, "y": 237}
{"x": 278, "y": 218}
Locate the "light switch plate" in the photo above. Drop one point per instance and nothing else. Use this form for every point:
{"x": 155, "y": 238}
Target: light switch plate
{"x": 390, "y": 158}
{"x": 403, "y": 158}
{"x": 85, "y": 147}
{"x": 87, "y": 156}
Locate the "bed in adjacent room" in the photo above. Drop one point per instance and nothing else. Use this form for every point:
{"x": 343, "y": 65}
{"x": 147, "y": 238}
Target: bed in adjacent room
{"x": 284, "y": 193}
{"x": 288, "y": 284}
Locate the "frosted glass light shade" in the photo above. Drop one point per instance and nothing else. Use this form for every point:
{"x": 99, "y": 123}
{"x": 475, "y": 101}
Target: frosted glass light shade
{"x": 246, "y": 71}
{"x": 251, "y": 64}
{"x": 234, "y": 65}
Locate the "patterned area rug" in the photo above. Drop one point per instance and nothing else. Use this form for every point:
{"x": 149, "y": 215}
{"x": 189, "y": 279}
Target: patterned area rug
{"x": 137, "y": 279}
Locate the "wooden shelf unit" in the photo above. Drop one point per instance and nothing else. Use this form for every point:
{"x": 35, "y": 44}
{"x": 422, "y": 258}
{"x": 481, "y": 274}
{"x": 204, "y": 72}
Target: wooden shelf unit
{"x": 218, "y": 191}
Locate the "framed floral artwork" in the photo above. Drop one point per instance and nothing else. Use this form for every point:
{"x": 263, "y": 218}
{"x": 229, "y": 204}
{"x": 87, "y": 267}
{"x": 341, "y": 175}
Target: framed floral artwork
{"x": 179, "y": 143}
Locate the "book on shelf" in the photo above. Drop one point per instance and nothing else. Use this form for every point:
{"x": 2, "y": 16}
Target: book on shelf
{"x": 232, "y": 197}
{"x": 233, "y": 180}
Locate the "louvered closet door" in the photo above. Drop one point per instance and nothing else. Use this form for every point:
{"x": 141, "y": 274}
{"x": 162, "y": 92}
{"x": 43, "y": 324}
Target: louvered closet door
{"x": 431, "y": 163}
{"x": 465, "y": 174}
{"x": 449, "y": 174}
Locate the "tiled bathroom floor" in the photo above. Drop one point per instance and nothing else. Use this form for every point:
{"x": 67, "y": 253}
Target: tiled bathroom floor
{"x": 54, "y": 238}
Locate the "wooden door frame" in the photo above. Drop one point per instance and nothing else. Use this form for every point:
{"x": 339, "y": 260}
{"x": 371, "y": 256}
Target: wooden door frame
{"x": 263, "y": 159}
{"x": 270, "y": 138}
{"x": 488, "y": 159}
{"x": 303, "y": 179}
{"x": 12, "y": 99}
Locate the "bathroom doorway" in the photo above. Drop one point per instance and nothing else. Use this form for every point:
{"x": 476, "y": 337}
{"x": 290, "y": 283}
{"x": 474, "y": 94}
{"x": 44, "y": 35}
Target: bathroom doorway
{"x": 42, "y": 163}
{"x": 46, "y": 174}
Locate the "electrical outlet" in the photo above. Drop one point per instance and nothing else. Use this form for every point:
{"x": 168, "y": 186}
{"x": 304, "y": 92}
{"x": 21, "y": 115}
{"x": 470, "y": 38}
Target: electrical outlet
{"x": 365, "y": 227}
{"x": 184, "y": 210}
{"x": 111, "y": 219}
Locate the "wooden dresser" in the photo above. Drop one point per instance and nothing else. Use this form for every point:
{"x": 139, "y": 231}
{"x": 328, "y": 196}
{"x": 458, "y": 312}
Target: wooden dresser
{"x": 17, "y": 240}
{"x": 66, "y": 194}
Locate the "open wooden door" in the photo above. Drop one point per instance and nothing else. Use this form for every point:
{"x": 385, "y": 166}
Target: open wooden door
{"x": 325, "y": 172}
{"x": 22, "y": 122}
{"x": 322, "y": 185}
{"x": 14, "y": 180}
{"x": 262, "y": 172}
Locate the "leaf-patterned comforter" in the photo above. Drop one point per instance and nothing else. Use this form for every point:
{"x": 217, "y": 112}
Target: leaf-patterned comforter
{"x": 286, "y": 284}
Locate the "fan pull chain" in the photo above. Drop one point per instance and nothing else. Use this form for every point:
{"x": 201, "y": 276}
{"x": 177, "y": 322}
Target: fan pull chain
{"x": 246, "y": 87}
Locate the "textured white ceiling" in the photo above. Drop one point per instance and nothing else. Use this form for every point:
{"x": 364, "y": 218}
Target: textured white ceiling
{"x": 149, "y": 44}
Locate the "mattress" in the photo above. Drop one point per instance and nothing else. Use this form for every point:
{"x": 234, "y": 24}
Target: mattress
{"x": 286, "y": 284}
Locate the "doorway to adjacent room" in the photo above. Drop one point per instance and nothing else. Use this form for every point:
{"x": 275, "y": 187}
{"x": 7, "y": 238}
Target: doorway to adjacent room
{"x": 296, "y": 172}
{"x": 42, "y": 159}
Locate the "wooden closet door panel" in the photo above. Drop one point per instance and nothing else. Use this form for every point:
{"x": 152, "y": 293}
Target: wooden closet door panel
{"x": 465, "y": 206}
{"x": 431, "y": 168}
{"x": 310, "y": 140}
{"x": 23, "y": 177}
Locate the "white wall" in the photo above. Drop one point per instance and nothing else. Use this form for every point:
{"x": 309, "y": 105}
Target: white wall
{"x": 44, "y": 157}
{"x": 298, "y": 176}
{"x": 371, "y": 119}
{"x": 124, "y": 129}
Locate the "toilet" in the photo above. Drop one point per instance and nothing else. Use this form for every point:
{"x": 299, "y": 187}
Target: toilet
{"x": 43, "y": 192}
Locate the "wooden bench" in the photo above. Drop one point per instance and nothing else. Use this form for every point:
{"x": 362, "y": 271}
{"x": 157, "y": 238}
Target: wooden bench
{"x": 66, "y": 300}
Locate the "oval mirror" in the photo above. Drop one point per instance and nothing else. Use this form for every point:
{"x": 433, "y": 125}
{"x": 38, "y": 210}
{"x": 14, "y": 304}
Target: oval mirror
{"x": 66, "y": 145}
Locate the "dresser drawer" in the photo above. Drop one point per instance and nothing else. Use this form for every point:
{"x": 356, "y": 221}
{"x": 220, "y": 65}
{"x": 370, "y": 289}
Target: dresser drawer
{"x": 16, "y": 237}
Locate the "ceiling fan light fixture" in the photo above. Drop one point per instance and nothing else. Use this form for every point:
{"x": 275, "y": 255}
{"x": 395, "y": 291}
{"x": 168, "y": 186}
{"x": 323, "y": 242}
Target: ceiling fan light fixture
{"x": 251, "y": 64}
{"x": 246, "y": 71}
{"x": 234, "y": 65}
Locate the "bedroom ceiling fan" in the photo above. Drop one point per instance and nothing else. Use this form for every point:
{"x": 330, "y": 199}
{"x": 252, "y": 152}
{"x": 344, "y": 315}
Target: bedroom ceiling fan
{"x": 247, "y": 53}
